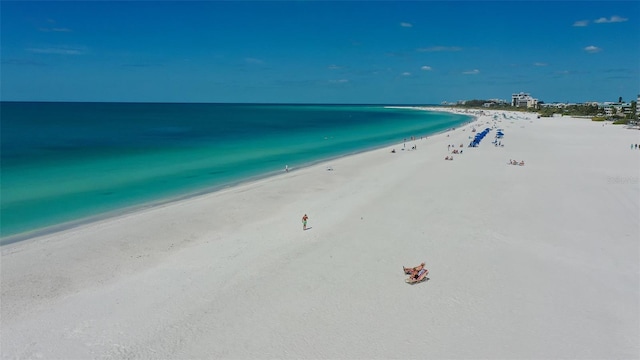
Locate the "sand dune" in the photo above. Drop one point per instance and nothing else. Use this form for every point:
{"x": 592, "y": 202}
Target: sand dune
{"x": 534, "y": 261}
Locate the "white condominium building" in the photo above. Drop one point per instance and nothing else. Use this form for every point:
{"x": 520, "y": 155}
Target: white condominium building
{"x": 523, "y": 100}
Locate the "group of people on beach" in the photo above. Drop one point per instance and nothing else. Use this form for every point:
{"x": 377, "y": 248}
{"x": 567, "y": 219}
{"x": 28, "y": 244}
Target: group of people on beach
{"x": 634, "y": 146}
{"x": 416, "y": 274}
{"x": 514, "y": 162}
{"x": 454, "y": 151}
{"x": 414, "y": 147}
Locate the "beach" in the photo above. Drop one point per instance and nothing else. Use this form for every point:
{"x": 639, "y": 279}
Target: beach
{"x": 533, "y": 261}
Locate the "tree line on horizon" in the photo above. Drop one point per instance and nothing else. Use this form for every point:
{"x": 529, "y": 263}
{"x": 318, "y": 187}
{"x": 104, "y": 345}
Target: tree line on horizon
{"x": 570, "y": 110}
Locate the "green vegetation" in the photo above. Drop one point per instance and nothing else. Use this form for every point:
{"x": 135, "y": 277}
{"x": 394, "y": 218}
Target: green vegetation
{"x": 474, "y": 103}
{"x": 621, "y": 122}
{"x": 579, "y": 110}
{"x": 572, "y": 110}
{"x": 478, "y": 104}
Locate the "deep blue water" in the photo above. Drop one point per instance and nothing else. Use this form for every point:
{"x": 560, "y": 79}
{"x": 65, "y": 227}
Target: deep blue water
{"x": 64, "y": 162}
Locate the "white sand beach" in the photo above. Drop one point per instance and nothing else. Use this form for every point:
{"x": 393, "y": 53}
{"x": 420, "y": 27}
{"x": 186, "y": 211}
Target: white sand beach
{"x": 540, "y": 261}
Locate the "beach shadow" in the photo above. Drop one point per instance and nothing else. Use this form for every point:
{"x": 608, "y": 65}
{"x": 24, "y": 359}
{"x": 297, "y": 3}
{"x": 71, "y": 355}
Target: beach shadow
{"x": 419, "y": 282}
{"x": 309, "y": 228}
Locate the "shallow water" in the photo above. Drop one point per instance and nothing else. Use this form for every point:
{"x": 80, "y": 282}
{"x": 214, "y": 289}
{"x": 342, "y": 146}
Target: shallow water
{"x": 64, "y": 162}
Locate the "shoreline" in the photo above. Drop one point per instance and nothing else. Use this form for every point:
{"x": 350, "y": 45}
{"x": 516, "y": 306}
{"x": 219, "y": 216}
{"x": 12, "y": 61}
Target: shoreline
{"x": 231, "y": 274}
{"x": 68, "y": 225}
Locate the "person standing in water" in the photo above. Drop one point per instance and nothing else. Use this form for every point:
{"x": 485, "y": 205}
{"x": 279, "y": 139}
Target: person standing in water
{"x": 304, "y": 222}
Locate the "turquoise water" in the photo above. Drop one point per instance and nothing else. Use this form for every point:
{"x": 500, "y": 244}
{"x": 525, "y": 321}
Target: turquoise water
{"x": 64, "y": 162}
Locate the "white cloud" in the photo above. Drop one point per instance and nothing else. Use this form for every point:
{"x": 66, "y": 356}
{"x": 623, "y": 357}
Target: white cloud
{"x": 339, "y": 81}
{"x": 613, "y": 19}
{"x": 253, "y": 61}
{"x": 57, "y": 51}
{"x": 472, "y": 72}
{"x": 581, "y": 23}
{"x": 426, "y": 68}
{"x": 540, "y": 64}
{"x": 592, "y": 49}
{"x": 334, "y": 67}
{"x": 406, "y": 24}
{"x": 54, "y": 30}
{"x": 440, "y": 48}
{"x": 406, "y": 73}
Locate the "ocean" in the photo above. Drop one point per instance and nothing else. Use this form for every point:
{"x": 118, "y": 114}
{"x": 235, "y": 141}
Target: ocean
{"x": 64, "y": 163}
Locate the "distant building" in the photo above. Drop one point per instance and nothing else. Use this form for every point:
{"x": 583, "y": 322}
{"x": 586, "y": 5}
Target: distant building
{"x": 494, "y": 102}
{"x": 554, "y": 105}
{"x": 523, "y": 100}
{"x": 617, "y": 109}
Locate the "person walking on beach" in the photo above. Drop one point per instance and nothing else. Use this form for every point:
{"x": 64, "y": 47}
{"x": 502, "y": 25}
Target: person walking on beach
{"x": 304, "y": 222}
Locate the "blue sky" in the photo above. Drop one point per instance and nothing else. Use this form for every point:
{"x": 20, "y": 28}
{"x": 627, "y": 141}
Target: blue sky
{"x": 414, "y": 52}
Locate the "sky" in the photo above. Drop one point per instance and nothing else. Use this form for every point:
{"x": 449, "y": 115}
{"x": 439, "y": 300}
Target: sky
{"x": 338, "y": 52}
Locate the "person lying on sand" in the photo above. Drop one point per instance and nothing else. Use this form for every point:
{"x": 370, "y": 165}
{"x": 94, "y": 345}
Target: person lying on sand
{"x": 413, "y": 269}
{"x": 417, "y": 276}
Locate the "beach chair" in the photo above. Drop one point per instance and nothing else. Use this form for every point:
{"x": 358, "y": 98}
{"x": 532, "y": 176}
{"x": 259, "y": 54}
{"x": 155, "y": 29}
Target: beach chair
{"x": 418, "y": 278}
